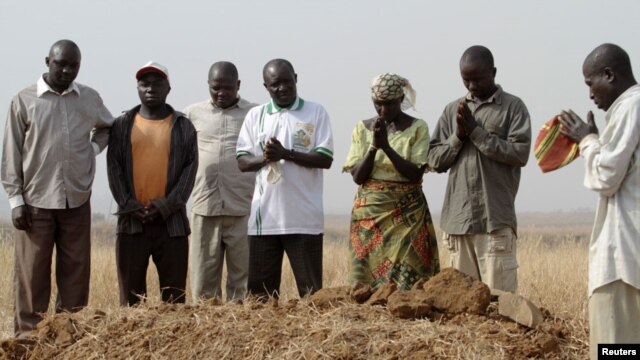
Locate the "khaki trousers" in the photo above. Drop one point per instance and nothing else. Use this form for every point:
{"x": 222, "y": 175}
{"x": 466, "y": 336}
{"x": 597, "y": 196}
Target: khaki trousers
{"x": 614, "y": 316}
{"x": 213, "y": 239}
{"x": 490, "y": 258}
{"x": 69, "y": 231}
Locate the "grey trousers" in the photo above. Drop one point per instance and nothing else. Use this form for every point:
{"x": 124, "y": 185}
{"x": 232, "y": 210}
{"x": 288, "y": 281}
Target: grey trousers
{"x": 69, "y": 231}
{"x": 214, "y": 240}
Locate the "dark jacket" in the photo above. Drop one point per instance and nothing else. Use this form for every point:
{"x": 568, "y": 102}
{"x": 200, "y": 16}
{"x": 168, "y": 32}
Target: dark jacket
{"x": 183, "y": 164}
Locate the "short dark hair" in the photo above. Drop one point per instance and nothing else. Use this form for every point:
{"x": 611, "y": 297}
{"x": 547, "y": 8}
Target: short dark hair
{"x": 478, "y": 53}
{"x": 224, "y": 66}
{"x": 611, "y": 56}
{"x": 277, "y": 63}
{"x": 64, "y": 43}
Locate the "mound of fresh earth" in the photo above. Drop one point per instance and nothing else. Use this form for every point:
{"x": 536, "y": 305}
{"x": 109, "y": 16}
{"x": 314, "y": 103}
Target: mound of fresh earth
{"x": 449, "y": 316}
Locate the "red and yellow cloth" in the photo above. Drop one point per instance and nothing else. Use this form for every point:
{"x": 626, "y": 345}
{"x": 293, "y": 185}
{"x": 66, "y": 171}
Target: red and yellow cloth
{"x": 552, "y": 149}
{"x": 392, "y": 235}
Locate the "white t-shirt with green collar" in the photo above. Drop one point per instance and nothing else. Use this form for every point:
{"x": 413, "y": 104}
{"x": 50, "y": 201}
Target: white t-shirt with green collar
{"x": 293, "y": 205}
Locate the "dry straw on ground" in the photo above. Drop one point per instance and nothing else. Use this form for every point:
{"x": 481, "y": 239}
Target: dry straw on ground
{"x": 553, "y": 263}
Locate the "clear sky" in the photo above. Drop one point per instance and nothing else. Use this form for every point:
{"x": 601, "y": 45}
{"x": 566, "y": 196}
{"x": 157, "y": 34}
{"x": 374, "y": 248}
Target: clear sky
{"x": 336, "y": 47}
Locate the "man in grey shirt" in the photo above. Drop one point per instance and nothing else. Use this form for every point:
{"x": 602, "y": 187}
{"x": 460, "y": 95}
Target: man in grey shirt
{"x": 54, "y": 130}
{"x": 483, "y": 139}
{"x": 222, "y": 194}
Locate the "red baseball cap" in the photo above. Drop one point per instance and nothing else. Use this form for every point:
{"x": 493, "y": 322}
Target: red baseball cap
{"x": 152, "y": 66}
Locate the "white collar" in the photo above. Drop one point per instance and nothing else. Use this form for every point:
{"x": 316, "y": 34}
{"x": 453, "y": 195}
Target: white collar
{"x": 43, "y": 87}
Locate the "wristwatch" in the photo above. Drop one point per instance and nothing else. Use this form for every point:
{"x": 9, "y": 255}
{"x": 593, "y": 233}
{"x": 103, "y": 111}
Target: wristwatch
{"x": 291, "y": 155}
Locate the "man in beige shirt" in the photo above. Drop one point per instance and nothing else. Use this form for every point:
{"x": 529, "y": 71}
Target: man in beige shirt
{"x": 222, "y": 194}
{"x": 482, "y": 139}
{"x": 54, "y": 130}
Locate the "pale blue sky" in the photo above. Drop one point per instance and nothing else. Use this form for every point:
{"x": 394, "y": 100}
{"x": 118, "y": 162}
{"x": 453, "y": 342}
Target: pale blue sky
{"x": 337, "y": 47}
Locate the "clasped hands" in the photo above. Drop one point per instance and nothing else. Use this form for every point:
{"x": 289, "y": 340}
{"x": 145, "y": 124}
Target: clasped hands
{"x": 465, "y": 122}
{"x": 273, "y": 150}
{"x": 380, "y": 134}
{"x": 574, "y": 128}
{"x": 147, "y": 214}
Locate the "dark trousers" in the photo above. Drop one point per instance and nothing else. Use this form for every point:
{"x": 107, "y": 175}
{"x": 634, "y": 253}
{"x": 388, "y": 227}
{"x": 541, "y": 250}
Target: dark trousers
{"x": 69, "y": 231}
{"x": 265, "y": 263}
{"x": 169, "y": 254}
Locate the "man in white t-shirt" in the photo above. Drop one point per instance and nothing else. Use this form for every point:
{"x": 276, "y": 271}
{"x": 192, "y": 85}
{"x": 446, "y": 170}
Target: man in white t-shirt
{"x": 287, "y": 142}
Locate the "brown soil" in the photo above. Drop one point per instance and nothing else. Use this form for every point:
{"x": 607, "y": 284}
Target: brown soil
{"x": 451, "y": 320}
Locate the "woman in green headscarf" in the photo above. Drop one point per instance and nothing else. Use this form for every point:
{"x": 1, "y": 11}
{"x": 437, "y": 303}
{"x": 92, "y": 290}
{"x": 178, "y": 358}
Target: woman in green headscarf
{"x": 392, "y": 235}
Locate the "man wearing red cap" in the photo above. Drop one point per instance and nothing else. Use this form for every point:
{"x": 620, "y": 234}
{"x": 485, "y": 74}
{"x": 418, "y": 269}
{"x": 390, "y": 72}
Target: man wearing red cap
{"x": 151, "y": 163}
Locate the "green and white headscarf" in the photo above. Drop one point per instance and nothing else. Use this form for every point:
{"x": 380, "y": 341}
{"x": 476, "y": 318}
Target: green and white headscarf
{"x": 390, "y": 86}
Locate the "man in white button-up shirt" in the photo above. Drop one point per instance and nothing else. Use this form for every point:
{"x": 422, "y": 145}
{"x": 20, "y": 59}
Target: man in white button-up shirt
{"x": 612, "y": 162}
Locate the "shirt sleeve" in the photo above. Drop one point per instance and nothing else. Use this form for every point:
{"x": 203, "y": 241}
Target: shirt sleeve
{"x": 14, "y": 135}
{"x": 420, "y": 147}
{"x": 117, "y": 172}
{"x": 247, "y": 138}
{"x": 608, "y": 158}
{"x": 324, "y": 135}
{"x": 444, "y": 145}
{"x": 104, "y": 121}
{"x": 357, "y": 149}
{"x": 514, "y": 150}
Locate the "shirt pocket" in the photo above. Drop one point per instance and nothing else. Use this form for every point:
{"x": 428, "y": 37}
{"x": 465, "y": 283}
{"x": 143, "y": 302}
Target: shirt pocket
{"x": 303, "y": 136}
{"x": 497, "y": 127}
{"x": 501, "y": 241}
{"x": 450, "y": 243}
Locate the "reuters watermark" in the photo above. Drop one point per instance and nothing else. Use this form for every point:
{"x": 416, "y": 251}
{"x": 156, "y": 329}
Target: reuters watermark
{"x": 618, "y": 351}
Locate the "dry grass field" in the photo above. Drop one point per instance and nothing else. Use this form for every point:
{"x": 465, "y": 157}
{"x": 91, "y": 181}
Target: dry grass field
{"x": 552, "y": 253}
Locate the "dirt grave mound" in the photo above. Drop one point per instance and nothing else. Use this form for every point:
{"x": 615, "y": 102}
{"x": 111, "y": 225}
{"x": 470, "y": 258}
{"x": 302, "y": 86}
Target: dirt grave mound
{"x": 427, "y": 322}
{"x": 448, "y": 293}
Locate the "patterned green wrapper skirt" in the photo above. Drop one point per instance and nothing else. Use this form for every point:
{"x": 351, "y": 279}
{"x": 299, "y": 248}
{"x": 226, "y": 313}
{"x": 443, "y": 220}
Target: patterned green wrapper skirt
{"x": 392, "y": 235}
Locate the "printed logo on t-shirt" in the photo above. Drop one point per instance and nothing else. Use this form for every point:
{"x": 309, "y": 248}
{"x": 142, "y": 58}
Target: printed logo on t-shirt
{"x": 302, "y": 136}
